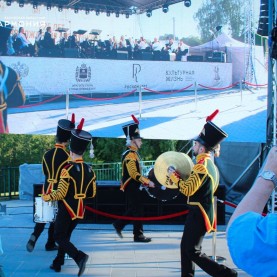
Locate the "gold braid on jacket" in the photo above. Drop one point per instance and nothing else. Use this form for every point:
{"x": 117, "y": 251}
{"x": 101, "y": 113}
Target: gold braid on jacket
{"x": 131, "y": 160}
{"x": 195, "y": 180}
{"x": 131, "y": 170}
{"x": 200, "y": 187}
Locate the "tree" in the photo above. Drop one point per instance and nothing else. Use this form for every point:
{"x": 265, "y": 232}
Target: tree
{"x": 19, "y": 149}
{"x": 192, "y": 41}
{"x": 224, "y": 13}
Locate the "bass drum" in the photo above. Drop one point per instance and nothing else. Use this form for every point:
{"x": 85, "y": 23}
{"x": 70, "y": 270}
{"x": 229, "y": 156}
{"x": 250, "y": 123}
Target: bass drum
{"x": 159, "y": 191}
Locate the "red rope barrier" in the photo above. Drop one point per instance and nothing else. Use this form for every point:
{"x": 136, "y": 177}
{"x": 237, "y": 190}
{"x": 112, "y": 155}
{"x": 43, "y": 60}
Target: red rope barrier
{"x": 171, "y": 92}
{"x": 232, "y": 85}
{"x": 153, "y": 218}
{"x": 40, "y": 103}
{"x": 232, "y": 205}
{"x": 136, "y": 218}
{"x": 107, "y": 98}
{"x": 254, "y": 85}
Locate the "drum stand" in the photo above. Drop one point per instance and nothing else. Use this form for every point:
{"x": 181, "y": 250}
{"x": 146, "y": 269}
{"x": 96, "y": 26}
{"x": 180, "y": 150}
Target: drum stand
{"x": 214, "y": 257}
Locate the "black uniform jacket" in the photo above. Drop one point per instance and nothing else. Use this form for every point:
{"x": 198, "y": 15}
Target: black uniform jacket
{"x": 77, "y": 183}
{"x": 131, "y": 171}
{"x": 200, "y": 187}
{"x": 52, "y": 163}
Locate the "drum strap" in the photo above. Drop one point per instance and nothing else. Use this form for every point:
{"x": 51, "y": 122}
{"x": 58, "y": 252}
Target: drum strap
{"x": 54, "y": 181}
{"x": 80, "y": 196}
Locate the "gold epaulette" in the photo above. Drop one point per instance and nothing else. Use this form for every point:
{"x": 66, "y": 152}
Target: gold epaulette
{"x": 131, "y": 156}
{"x": 64, "y": 173}
{"x": 200, "y": 168}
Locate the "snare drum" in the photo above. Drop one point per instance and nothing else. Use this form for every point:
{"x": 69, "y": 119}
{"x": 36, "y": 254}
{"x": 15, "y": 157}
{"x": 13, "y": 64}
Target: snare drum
{"x": 45, "y": 212}
{"x": 159, "y": 191}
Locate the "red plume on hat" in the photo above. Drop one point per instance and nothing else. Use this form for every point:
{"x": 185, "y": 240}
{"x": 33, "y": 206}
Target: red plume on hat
{"x": 73, "y": 118}
{"x": 81, "y": 124}
{"x": 212, "y": 116}
{"x": 135, "y": 119}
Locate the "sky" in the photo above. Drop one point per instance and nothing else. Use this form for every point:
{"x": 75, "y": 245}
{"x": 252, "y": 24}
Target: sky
{"x": 179, "y": 20}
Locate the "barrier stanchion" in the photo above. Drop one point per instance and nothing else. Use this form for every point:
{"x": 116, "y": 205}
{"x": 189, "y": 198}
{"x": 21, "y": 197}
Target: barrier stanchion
{"x": 240, "y": 86}
{"x": 214, "y": 256}
{"x": 195, "y": 95}
{"x": 67, "y": 103}
{"x": 140, "y": 100}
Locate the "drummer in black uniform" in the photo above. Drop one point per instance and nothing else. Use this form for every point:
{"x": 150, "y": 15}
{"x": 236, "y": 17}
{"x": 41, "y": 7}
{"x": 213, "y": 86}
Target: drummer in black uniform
{"x": 77, "y": 183}
{"x": 52, "y": 163}
{"x": 132, "y": 180}
{"x": 200, "y": 188}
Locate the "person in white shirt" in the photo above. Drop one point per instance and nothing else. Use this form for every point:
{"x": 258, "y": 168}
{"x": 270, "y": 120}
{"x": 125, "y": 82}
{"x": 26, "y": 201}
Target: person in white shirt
{"x": 22, "y": 36}
{"x": 143, "y": 44}
{"x": 156, "y": 46}
{"x": 26, "y": 45}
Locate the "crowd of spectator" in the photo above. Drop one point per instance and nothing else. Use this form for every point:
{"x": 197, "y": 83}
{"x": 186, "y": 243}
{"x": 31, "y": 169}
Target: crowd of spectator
{"x": 74, "y": 45}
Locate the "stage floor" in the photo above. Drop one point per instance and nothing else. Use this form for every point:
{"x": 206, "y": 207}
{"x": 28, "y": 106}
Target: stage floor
{"x": 109, "y": 256}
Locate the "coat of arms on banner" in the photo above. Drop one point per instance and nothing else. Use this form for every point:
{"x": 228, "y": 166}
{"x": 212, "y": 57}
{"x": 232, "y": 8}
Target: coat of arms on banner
{"x": 21, "y": 69}
{"x": 83, "y": 73}
{"x": 216, "y": 73}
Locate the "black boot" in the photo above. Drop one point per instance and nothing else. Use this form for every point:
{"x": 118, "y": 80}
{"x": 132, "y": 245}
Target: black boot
{"x": 81, "y": 261}
{"x": 141, "y": 238}
{"x": 51, "y": 246}
{"x": 118, "y": 231}
{"x": 56, "y": 267}
{"x": 31, "y": 243}
{"x": 57, "y": 263}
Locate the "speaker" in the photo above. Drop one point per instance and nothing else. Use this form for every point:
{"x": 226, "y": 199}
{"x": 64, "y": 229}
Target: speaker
{"x": 216, "y": 59}
{"x": 220, "y": 194}
{"x": 194, "y": 58}
{"x": 147, "y": 56}
{"x": 71, "y": 53}
{"x": 46, "y": 52}
{"x": 263, "y": 19}
{"x": 122, "y": 55}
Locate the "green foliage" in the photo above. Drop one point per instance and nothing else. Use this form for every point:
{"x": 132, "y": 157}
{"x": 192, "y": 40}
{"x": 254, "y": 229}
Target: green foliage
{"x": 111, "y": 149}
{"x": 167, "y": 37}
{"x": 220, "y": 12}
{"x": 107, "y": 150}
{"x": 19, "y": 149}
{"x": 192, "y": 41}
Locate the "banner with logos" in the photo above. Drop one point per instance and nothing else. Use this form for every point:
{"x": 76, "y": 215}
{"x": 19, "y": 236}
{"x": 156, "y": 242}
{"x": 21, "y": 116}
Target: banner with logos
{"x": 56, "y": 76}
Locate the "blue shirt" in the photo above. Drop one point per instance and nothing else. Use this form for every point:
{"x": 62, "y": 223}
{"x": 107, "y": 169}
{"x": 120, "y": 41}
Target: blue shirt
{"x": 252, "y": 242}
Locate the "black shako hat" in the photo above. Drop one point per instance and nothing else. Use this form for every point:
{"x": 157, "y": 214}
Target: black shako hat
{"x": 80, "y": 139}
{"x": 132, "y": 131}
{"x": 211, "y": 135}
{"x": 64, "y": 129}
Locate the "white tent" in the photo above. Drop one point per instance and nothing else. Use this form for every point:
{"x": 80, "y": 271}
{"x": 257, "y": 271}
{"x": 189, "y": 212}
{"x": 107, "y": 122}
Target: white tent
{"x": 237, "y": 53}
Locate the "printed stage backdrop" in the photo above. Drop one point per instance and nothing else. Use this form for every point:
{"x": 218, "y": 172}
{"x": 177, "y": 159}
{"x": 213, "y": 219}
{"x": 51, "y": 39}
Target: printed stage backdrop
{"x": 171, "y": 99}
